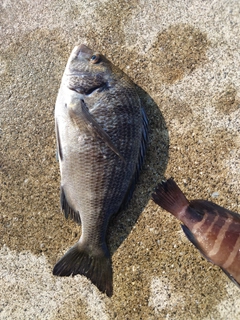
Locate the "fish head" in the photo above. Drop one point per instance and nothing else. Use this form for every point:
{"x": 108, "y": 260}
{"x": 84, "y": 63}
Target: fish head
{"x": 87, "y": 71}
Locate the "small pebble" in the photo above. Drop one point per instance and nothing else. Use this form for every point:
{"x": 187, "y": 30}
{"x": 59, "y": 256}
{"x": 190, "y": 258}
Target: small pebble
{"x": 215, "y": 194}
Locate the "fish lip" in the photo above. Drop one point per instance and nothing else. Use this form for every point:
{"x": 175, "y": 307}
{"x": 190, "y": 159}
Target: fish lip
{"x": 82, "y": 51}
{"x": 81, "y": 74}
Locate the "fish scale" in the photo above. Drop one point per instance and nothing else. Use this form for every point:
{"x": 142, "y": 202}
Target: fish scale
{"x": 101, "y": 131}
{"x": 214, "y": 230}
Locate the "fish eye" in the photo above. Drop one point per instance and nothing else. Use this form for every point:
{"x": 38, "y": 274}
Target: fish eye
{"x": 95, "y": 58}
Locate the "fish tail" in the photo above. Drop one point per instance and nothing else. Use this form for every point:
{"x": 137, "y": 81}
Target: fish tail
{"x": 96, "y": 266}
{"x": 170, "y": 197}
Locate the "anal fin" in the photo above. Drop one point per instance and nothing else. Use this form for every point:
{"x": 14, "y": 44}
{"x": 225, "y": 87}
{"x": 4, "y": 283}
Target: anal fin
{"x": 66, "y": 208}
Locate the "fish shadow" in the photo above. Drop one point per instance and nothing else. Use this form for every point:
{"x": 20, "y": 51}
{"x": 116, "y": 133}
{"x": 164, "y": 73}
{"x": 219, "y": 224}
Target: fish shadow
{"x": 153, "y": 170}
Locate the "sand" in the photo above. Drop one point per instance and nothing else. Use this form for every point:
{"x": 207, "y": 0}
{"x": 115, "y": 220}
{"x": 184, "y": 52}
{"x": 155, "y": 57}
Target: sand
{"x": 184, "y": 56}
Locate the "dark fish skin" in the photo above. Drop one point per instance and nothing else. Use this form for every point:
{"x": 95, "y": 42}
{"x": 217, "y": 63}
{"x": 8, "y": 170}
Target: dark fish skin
{"x": 214, "y": 230}
{"x": 101, "y": 132}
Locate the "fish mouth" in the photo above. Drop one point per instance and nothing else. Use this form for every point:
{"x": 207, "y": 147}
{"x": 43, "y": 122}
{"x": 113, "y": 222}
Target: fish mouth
{"x": 82, "y": 86}
{"x": 87, "y": 92}
{"x": 82, "y": 51}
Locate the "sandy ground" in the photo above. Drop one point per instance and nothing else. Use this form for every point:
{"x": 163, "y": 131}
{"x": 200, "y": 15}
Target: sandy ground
{"x": 184, "y": 56}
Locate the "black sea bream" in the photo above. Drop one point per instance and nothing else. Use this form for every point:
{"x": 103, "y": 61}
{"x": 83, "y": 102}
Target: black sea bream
{"x": 101, "y": 131}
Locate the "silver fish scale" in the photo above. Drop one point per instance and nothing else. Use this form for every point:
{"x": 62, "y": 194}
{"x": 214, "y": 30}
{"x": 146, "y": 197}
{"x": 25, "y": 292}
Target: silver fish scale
{"x": 106, "y": 188}
{"x": 94, "y": 178}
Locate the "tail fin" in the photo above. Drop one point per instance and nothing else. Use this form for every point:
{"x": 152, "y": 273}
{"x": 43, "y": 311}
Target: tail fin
{"x": 95, "y": 266}
{"x": 169, "y": 196}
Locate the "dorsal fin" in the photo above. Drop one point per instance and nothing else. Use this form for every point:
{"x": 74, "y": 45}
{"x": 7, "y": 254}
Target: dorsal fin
{"x": 141, "y": 156}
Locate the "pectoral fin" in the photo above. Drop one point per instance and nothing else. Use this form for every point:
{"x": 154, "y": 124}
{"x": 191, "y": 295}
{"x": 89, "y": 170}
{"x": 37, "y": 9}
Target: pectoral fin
{"x": 95, "y": 127}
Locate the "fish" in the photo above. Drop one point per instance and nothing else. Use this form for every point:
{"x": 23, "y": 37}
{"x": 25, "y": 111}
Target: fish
{"x": 102, "y": 134}
{"x": 213, "y": 230}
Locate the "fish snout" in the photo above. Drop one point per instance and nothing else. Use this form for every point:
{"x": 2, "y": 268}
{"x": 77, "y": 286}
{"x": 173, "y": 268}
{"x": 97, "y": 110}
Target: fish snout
{"x": 83, "y": 51}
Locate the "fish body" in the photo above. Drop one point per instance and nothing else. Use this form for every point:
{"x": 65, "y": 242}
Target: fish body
{"x": 214, "y": 230}
{"x": 101, "y": 132}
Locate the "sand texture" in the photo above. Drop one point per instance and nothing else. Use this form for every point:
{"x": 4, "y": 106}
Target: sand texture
{"x": 185, "y": 58}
